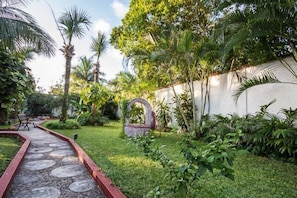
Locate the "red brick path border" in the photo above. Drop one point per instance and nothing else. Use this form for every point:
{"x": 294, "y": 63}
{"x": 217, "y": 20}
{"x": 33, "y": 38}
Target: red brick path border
{"x": 105, "y": 184}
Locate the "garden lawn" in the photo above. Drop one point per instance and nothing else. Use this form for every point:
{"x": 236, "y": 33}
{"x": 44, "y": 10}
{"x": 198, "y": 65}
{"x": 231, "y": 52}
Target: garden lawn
{"x": 5, "y": 127}
{"x": 9, "y": 146}
{"x": 136, "y": 175}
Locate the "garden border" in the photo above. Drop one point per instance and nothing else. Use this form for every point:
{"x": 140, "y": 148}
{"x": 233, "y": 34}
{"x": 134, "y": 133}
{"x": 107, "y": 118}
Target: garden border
{"x": 13, "y": 166}
{"x": 105, "y": 184}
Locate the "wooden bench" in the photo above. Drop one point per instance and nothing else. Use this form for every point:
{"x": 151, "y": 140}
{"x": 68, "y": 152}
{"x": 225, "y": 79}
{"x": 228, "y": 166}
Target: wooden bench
{"x": 24, "y": 121}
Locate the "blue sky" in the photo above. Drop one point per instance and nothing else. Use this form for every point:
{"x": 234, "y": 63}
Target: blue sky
{"x": 104, "y": 14}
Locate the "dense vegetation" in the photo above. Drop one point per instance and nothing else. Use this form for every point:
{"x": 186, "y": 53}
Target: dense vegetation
{"x": 167, "y": 42}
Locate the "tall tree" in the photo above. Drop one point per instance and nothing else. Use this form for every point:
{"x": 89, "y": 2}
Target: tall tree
{"x": 19, "y": 30}
{"x": 253, "y": 19}
{"x": 98, "y": 46}
{"x": 71, "y": 24}
{"x": 16, "y": 81}
{"x": 149, "y": 18}
{"x": 82, "y": 75}
{"x": 83, "y": 70}
{"x": 274, "y": 23}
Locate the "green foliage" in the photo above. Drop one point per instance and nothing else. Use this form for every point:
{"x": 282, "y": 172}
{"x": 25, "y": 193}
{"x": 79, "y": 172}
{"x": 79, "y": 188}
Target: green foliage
{"x": 136, "y": 114}
{"x": 40, "y": 104}
{"x": 265, "y": 78}
{"x": 69, "y": 124}
{"x": 148, "y": 21}
{"x": 217, "y": 155}
{"x": 162, "y": 114}
{"x": 264, "y": 133}
{"x": 251, "y": 21}
{"x": 86, "y": 118}
{"x": 187, "y": 108}
{"x": 19, "y": 30}
{"x": 110, "y": 109}
{"x": 16, "y": 81}
{"x": 9, "y": 146}
{"x": 95, "y": 93}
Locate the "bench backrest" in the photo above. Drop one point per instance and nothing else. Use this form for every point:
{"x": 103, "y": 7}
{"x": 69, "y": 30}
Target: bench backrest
{"x": 22, "y": 116}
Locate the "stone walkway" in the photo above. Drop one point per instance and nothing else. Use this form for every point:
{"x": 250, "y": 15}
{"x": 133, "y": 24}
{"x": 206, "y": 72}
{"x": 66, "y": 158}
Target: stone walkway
{"x": 51, "y": 169}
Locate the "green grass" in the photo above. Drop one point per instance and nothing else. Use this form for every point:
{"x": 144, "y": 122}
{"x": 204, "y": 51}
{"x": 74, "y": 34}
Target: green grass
{"x": 9, "y": 146}
{"x": 136, "y": 175}
{"x": 5, "y": 126}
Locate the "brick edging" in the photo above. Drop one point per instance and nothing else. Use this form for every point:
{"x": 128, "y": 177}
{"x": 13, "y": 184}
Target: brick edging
{"x": 13, "y": 166}
{"x": 105, "y": 184}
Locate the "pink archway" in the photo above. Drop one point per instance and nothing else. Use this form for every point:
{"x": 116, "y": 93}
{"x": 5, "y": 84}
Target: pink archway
{"x": 133, "y": 130}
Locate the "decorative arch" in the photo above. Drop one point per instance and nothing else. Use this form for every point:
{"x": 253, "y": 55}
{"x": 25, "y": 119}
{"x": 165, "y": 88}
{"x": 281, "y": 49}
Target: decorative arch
{"x": 139, "y": 129}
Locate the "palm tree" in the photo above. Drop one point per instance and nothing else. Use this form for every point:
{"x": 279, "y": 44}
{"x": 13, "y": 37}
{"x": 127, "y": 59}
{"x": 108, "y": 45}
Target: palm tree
{"x": 71, "y": 24}
{"x": 81, "y": 75}
{"x": 83, "y": 71}
{"x": 271, "y": 22}
{"x": 99, "y": 46}
{"x": 19, "y": 30}
{"x": 166, "y": 56}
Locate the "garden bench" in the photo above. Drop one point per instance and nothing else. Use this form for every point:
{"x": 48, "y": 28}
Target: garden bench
{"x": 24, "y": 120}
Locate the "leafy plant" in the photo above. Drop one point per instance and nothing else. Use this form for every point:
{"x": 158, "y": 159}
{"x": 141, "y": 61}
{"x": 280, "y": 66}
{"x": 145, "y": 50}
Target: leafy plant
{"x": 217, "y": 155}
{"x": 162, "y": 114}
{"x": 69, "y": 124}
{"x": 136, "y": 114}
{"x": 264, "y": 133}
{"x": 187, "y": 108}
{"x": 87, "y": 118}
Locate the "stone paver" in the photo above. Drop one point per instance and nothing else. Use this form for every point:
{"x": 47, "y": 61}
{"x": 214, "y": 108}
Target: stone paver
{"x": 51, "y": 169}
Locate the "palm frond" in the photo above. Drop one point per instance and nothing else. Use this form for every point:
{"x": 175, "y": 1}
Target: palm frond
{"x": 264, "y": 78}
{"x": 73, "y": 23}
{"x": 19, "y": 29}
{"x": 99, "y": 45}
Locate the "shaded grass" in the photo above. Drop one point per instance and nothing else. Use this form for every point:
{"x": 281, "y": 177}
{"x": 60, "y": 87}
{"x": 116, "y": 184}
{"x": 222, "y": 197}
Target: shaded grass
{"x": 9, "y": 146}
{"x": 5, "y": 126}
{"x": 136, "y": 175}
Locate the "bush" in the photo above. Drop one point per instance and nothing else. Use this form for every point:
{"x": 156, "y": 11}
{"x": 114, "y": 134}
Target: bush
{"x": 264, "y": 134}
{"x": 187, "y": 108}
{"x": 87, "y": 119}
{"x": 163, "y": 115}
{"x": 69, "y": 124}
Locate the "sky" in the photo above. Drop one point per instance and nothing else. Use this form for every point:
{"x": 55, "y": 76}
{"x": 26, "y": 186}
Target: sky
{"x": 104, "y": 15}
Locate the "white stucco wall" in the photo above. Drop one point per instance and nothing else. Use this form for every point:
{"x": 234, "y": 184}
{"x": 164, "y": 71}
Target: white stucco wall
{"x": 223, "y": 87}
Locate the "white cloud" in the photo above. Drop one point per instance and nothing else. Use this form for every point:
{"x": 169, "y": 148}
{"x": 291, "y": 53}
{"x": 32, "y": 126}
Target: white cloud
{"x": 103, "y": 26}
{"x": 119, "y": 9}
{"x": 111, "y": 63}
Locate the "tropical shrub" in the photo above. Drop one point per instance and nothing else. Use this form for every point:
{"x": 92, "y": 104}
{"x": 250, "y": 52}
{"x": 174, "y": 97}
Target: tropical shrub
{"x": 264, "y": 134}
{"x": 163, "y": 115}
{"x": 110, "y": 110}
{"x": 68, "y": 124}
{"x": 187, "y": 108}
{"x": 16, "y": 82}
{"x": 87, "y": 118}
{"x": 136, "y": 114}
{"x": 41, "y": 104}
{"x": 198, "y": 159}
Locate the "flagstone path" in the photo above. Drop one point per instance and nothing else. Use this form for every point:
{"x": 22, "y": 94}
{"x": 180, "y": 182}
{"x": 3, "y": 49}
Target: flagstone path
{"x": 51, "y": 169}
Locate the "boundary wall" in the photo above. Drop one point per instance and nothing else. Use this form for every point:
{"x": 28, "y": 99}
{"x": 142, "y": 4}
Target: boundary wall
{"x": 222, "y": 88}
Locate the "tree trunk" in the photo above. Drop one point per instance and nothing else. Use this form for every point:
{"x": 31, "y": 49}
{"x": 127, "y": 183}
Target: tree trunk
{"x": 3, "y": 115}
{"x": 68, "y": 53}
{"x": 177, "y": 102}
{"x": 96, "y": 72}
